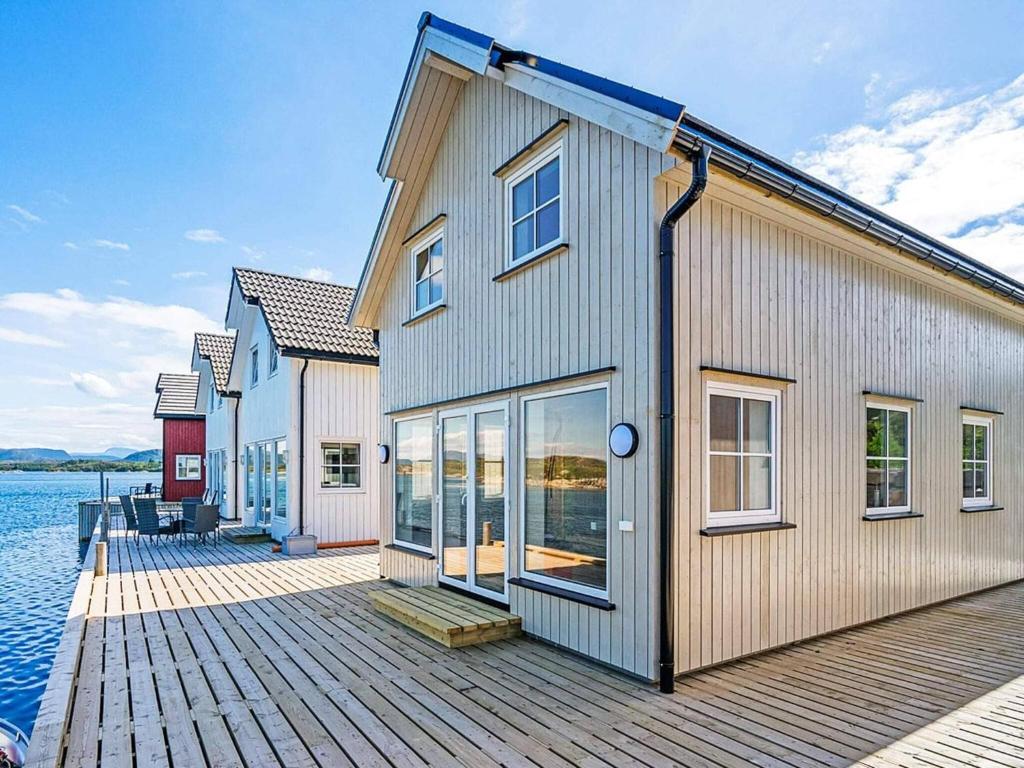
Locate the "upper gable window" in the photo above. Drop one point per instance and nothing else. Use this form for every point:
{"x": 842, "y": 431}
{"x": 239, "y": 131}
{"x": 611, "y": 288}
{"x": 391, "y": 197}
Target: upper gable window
{"x": 428, "y": 272}
{"x": 273, "y": 361}
{"x": 254, "y": 367}
{"x": 534, "y": 210}
{"x": 212, "y": 396}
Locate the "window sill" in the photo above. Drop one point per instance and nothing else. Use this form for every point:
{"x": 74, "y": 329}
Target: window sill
{"x": 732, "y": 530}
{"x": 981, "y": 508}
{"x": 339, "y": 491}
{"x": 525, "y": 263}
{"x": 424, "y": 314}
{"x": 565, "y": 594}
{"x": 882, "y": 518}
{"x": 410, "y": 551}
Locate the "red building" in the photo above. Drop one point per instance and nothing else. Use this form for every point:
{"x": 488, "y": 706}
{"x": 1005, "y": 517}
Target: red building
{"x": 184, "y": 435}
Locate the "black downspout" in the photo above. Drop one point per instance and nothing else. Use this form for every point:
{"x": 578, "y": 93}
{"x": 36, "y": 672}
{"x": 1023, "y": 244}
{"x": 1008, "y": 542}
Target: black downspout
{"x": 302, "y": 446}
{"x": 666, "y": 411}
{"x": 234, "y": 461}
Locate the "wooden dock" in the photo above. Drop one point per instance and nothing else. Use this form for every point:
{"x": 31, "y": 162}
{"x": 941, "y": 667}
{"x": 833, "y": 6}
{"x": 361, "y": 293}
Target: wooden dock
{"x": 234, "y": 656}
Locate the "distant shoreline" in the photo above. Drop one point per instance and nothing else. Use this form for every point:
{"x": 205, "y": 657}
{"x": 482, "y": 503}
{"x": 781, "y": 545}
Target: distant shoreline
{"x": 80, "y": 465}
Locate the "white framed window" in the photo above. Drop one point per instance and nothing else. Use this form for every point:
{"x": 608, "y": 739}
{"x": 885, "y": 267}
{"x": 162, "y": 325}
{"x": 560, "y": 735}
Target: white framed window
{"x": 742, "y": 463}
{"x": 428, "y": 271}
{"x": 213, "y": 394}
{"x": 254, "y": 366}
{"x": 341, "y": 464}
{"x": 534, "y": 210}
{"x": 272, "y": 365}
{"x": 564, "y": 489}
{"x": 977, "y": 461}
{"x": 887, "y": 452}
{"x": 220, "y": 401}
{"x": 414, "y": 472}
{"x": 188, "y": 467}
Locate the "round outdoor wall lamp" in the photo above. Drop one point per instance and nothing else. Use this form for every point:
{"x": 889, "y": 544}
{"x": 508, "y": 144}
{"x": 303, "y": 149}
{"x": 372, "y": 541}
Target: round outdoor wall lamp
{"x": 624, "y": 440}
{"x": 383, "y": 453}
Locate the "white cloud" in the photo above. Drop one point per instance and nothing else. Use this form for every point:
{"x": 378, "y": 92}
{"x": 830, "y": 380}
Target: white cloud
{"x": 111, "y": 245}
{"x": 253, "y": 253}
{"x": 950, "y": 165}
{"x": 317, "y": 273}
{"x": 121, "y": 281}
{"x": 93, "y": 384}
{"x": 204, "y": 236}
{"x": 79, "y": 428}
{"x": 174, "y": 322}
{"x": 25, "y": 215}
{"x": 187, "y": 275}
{"x": 822, "y": 52}
{"x": 71, "y": 246}
{"x": 15, "y": 336}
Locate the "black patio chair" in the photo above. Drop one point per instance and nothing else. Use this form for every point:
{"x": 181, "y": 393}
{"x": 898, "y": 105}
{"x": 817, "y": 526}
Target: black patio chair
{"x": 150, "y": 522}
{"x": 131, "y": 522}
{"x": 207, "y": 521}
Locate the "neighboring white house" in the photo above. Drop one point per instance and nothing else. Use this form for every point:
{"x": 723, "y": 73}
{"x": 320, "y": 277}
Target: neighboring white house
{"x": 309, "y": 414}
{"x": 211, "y": 359}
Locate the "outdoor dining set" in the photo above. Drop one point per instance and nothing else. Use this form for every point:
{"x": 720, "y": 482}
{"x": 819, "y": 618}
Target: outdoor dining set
{"x": 195, "y": 517}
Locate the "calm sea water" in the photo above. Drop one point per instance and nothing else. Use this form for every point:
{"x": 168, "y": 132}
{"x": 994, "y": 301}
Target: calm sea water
{"x": 39, "y": 562}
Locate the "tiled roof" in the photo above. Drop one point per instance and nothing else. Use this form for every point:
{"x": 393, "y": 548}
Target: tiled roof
{"x": 176, "y": 395}
{"x": 218, "y": 348}
{"x": 308, "y": 317}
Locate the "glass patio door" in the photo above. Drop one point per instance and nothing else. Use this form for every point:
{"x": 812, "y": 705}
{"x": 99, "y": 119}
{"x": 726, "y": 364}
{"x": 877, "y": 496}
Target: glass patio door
{"x": 265, "y": 483}
{"x": 473, "y": 446}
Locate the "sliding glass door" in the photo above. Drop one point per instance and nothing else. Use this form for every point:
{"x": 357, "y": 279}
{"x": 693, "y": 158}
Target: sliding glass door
{"x": 472, "y": 448}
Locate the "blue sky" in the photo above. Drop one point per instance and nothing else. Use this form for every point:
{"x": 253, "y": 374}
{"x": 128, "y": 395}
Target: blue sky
{"x": 146, "y": 148}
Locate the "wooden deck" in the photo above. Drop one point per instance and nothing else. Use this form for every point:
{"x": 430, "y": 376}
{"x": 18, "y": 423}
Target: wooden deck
{"x": 233, "y": 656}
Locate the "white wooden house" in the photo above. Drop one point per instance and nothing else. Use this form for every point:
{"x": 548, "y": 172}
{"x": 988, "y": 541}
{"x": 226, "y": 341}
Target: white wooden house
{"x": 211, "y": 360}
{"x": 308, "y": 420}
{"x": 820, "y": 405}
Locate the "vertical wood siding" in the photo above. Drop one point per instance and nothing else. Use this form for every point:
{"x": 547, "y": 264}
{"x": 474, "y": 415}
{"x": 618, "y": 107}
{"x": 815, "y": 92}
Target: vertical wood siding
{"x": 582, "y": 310}
{"x": 183, "y": 436}
{"x": 342, "y": 403}
{"x": 765, "y": 290}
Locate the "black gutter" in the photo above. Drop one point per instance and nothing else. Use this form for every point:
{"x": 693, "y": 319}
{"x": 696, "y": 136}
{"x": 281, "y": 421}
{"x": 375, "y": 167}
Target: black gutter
{"x": 302, "y": 446}
{"x": 234, "y": 461}
{"x": 666, "y": 411}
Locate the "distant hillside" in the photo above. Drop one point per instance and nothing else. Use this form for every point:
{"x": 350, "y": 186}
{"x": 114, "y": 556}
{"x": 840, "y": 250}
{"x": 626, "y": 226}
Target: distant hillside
{"x": 111, "y": 454}
{"x": 33, "y": 454}
{"x": 154, "y": 454}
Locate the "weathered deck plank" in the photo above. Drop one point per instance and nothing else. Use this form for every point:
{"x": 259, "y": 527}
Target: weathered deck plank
{"x": 235, "y": 656}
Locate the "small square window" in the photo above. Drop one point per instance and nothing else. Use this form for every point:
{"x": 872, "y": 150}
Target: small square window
{"x": 341, "y": 465}
{"x": 188, "y": 467}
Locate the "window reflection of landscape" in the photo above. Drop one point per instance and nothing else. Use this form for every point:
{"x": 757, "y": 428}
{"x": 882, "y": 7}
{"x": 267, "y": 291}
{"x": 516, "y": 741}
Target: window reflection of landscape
{"x": 566, "y": 479}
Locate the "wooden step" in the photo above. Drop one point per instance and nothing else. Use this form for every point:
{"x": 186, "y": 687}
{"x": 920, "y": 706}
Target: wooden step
{"x": 451, "y": 619}
{"x": 242, "y": 534}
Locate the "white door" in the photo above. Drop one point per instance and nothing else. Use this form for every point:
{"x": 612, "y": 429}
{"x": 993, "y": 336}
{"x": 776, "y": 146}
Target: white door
{"x": 473, "y": 499}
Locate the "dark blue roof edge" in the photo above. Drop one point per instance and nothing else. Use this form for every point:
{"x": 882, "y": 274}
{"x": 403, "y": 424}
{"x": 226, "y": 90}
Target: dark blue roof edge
{"x": 627, "y": 94}
{"x": 758, "y": 157}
